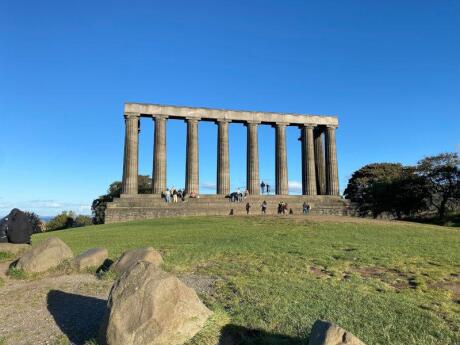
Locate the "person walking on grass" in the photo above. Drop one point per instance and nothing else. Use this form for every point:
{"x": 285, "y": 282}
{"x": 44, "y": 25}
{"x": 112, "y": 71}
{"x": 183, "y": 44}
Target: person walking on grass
{"x": 248, "y": 206}
{"x": 264, "y": 207}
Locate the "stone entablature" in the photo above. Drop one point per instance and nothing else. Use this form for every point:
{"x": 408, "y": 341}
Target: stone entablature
{"x": 319, "y": 153}
{"x": 208, "y": 114}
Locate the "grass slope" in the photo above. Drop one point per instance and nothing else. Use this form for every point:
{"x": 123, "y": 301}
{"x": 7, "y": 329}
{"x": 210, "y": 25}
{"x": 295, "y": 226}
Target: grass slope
{"x": 385, "y": 282}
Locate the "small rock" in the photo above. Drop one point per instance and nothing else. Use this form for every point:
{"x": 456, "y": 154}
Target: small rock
{"x": 130, "y": 257}
{"x": 148, "y": 306}
{"x": 93, "y": 257}
{"x": 14, "y": 248}
{"x": 48, "y": 254}
{"x": 326, "y": 333}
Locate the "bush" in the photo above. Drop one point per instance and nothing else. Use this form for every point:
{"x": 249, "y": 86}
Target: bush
{"x": 61, "y": 221}
{"x": 35, "y": 221}
{"x": 82, "y": 221}
{"x": 114, "y": 191}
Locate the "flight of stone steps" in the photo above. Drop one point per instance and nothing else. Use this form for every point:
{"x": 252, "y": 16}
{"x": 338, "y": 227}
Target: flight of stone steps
{"x": 145, "y": 206}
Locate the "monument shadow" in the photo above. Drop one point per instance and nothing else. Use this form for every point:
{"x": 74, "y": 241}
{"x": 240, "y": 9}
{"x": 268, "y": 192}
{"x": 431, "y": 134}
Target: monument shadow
{"x": 77, "y": 316}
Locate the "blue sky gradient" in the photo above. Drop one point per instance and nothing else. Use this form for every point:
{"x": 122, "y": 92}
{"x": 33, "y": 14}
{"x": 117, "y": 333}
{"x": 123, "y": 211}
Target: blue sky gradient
{"x": 389, "y": 69}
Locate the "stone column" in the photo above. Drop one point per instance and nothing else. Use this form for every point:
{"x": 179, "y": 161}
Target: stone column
{"x": 281, "y": 160}
{"x": 159, "y": 156}
{"x": 191, "y": 170}
{"x": 319, "y": 161}
{"x": 223, "y": 164}
{"x": 332, "y": 175}
{"x": 308, "y": 161}
{"x": 130, "y": 163}
{"x": 252, "y": 165}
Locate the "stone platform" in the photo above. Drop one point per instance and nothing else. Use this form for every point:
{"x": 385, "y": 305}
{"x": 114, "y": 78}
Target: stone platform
{"x": 148, "y": 206}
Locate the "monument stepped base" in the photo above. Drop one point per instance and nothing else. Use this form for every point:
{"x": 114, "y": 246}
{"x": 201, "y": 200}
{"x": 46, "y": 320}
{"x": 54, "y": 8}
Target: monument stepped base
{"x": 148, "y": 206}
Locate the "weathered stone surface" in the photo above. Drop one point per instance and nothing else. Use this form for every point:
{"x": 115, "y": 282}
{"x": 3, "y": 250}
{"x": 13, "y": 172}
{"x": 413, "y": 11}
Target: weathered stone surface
{"x": 148, "y": 306}
{"x": 14, "y": 248}
{"x": 48, "y": 254}
{"x": 326, "y": 333}
{"x": 130, "y": 257}
{"x": 226, "y": 114}
{"x": 93, "y": 257}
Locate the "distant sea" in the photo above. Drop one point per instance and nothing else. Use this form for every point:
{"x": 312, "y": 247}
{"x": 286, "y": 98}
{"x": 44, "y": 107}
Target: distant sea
{"x": 46, "y": 218}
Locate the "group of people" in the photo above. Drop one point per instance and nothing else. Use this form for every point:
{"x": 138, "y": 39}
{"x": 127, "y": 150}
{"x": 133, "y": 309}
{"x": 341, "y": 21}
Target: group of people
{"x": 282, "y": 208}
{"x": 173, "y": 195}
{"x": 264, "y": 188}
{"x": 238, "y": 196}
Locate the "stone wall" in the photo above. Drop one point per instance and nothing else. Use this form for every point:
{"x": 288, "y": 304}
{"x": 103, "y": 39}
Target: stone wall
{"x": 151, "y": 206}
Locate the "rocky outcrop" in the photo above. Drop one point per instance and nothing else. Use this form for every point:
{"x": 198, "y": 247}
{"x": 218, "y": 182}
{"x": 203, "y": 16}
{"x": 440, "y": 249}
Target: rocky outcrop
{"x": 130, "y": 257}
{"x": 326, "y": 333}
{"x": 48, "y": 254}
{"x": 93, "y": 257}
{"x": 148, "y": 306}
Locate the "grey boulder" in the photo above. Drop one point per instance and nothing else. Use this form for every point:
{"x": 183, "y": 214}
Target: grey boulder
{"x": 48, "y": 254}
{"x": 326, "y": 333}
{"x": 93, "y": 257}
{"x": 130, "y": 257}
{"x": 148, "y": 306}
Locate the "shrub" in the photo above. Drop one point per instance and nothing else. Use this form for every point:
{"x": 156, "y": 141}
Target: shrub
{"x": 61, "y": 221}
{"x": 82, "y": 221}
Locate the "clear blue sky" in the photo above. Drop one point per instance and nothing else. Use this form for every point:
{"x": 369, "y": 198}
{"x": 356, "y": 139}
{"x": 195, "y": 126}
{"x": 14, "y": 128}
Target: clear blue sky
{"x": 389, "y": 69}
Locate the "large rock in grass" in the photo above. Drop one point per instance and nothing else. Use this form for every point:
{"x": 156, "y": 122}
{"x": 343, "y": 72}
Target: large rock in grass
{"x": 326, "y": 333}
{"x": 130, "y": 257}
{"x": 48, "y": 254}
{"x": 148, "y": 306}
{"x": 13, "y": 248}
{"x": 93, "y": 257}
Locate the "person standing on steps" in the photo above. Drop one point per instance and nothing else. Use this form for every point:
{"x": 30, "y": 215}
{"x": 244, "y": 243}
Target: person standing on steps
{"x": 262, "y": 187}
{"x": 264, "y": 207}
{"x": 248, "y": 206}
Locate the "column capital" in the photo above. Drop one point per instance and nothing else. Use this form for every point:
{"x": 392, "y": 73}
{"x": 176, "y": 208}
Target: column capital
{"x": 309, "y": 125}
{"x": 281, "y": 124}
{"x": 332, "y": 126}
{"x": 132, "y": 115}
{"x": 247, "y": 123}
{"x": 223, "y": 121}
{"x": 192, "y": 119}
{"x": 160, "y": 117}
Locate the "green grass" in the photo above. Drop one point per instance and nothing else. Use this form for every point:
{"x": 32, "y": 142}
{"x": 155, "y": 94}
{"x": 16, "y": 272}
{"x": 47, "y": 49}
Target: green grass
{"x": 5, "y": 256}
{"x": 381, "y": 281}
{"x": 16, "y": 273}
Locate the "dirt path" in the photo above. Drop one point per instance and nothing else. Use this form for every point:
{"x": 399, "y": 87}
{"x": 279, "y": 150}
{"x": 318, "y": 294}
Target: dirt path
{"x": 44, "y": 311}
{"x": 55, "y": 308}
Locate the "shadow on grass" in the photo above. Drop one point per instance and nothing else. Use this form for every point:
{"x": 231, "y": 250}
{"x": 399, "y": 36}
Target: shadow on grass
{"x": 77, "y": 316}
{"x": 237, "y": 335}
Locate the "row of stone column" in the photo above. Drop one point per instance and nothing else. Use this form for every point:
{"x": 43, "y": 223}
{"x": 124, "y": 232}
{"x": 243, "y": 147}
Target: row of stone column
{"x": 319, "y": 158}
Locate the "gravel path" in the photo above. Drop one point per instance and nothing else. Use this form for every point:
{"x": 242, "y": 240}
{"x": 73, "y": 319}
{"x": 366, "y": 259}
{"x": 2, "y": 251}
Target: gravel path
{"x": 43, "y": 311}
{"x": 54, "y": 308}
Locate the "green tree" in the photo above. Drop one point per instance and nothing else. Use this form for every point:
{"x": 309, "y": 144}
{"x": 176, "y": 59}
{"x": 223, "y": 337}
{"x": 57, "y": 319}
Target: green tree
{"x": 409, "y": 193}
{"x": 63, "y": 220}
{"x": 372, "y": 188}
{"x": 441, "y": 175}
{"x": 35, "y": 221}
{"x": 99, "y": 205}
{"x": 82, "y": 220}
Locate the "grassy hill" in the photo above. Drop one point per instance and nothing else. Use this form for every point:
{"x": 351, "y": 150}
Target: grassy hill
{"x": 388, "y": 283}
